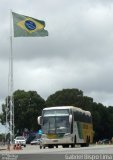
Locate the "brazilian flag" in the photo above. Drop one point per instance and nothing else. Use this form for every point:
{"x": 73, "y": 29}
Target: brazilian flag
{"x": 25, "y": 26}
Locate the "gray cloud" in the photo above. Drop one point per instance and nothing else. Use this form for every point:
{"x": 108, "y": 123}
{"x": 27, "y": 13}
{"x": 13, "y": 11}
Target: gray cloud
{"x": 76, "y": 54}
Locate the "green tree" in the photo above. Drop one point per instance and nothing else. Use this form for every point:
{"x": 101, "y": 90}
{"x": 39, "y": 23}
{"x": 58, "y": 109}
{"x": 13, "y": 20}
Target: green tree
{"x": 65, "y": 97}
{"x": 110, "y": 120}
{"x": 27, "y": 107}
{"x": 70, "y": 97}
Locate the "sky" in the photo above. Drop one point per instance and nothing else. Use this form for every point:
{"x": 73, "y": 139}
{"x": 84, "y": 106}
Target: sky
{"x": 78, "y": 53}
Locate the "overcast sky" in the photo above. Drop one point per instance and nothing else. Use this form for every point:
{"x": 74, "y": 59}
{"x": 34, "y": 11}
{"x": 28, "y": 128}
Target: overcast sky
{"x": 78, "y": 53}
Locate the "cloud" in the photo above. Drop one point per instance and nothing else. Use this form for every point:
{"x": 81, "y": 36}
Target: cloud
{"x": 76, "y": 54}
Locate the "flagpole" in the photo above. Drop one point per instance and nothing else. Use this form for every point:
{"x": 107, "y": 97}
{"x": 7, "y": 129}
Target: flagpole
{"x": 11, "y": 102}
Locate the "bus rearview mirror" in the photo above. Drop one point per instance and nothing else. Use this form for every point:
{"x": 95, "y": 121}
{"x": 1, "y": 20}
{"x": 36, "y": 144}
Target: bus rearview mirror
{"x": 39, "y": 119}
{"x": 70, "y": 118}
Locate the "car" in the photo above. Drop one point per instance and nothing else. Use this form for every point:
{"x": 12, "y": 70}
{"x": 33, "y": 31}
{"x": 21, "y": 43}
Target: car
{"x": 104, "y": 141}
{"x": 35, "y": 141}
{"x": 20, "y": 140}
{"x": 29, "y": 139}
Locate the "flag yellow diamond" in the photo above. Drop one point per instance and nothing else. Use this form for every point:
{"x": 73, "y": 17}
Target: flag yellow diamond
{"x": 30, "y": 25}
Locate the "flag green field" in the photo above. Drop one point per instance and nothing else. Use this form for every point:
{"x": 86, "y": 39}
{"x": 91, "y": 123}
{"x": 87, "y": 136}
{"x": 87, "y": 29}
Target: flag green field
{"x": 25, "y": 26}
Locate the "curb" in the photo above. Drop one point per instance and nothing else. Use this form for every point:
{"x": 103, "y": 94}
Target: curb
{"x": 3, "y": 148}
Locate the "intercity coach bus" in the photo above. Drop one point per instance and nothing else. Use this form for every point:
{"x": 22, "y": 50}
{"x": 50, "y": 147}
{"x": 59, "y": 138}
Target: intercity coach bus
{"x": 66, "y": 126}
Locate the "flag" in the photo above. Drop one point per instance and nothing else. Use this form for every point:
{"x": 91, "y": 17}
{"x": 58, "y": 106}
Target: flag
{"x": 25, "y": 26}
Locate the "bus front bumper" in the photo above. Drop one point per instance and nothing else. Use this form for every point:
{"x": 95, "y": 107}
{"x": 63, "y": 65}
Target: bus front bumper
{"x": 67, "y": 140}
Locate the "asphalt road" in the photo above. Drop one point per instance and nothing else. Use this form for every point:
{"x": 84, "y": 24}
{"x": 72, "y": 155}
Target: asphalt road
{"x": 34, "y": 153}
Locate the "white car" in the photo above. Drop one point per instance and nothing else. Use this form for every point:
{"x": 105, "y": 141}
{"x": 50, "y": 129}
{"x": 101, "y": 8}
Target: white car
{"x": 35, "y": 141}
{"x": 20, "y": 140}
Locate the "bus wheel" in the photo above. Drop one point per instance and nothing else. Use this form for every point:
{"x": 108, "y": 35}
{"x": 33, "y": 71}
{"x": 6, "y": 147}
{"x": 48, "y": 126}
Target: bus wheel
{"x": 56, "y": 146}
{"x": 83, "y": 144}
{"x": 40, "y": 147}
{"x": 50, "y": 146}
{"x": 65, "y": 146}
{"x": 72, "y": 145}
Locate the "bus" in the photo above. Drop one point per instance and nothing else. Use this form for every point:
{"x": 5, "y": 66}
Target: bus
{"x": 66, "y": 126}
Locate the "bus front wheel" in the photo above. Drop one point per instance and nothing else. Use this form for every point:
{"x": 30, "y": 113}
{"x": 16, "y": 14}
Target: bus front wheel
{"x": 50, "y": 146}
{"x": 65, "y": 145}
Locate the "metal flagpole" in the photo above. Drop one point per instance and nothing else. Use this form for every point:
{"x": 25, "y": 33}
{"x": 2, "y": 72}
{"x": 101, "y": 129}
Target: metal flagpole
{"x": 11, "y": 102}
{"x": 6, "y": 116}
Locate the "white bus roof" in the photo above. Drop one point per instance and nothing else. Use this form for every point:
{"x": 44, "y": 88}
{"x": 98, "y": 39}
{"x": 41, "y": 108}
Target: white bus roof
{"x": 68, "y": 107}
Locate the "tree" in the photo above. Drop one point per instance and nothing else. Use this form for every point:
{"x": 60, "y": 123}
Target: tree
{"x": 27, "y": 107}
{"x": 70, "y": 97}
{"x": 65, "y": 97}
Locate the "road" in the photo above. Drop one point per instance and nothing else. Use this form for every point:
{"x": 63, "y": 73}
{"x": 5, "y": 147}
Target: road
{"x": 34, "y": 153}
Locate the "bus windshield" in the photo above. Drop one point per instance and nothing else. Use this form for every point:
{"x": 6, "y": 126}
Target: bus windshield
{"x": 56, "y": 124}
